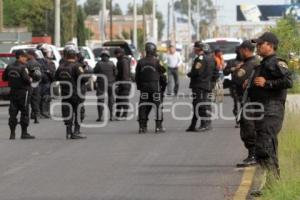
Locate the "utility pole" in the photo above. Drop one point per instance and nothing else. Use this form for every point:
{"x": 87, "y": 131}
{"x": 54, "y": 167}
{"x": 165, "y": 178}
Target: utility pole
{"x": 57, "y": 23}
{"x": 135, "y": 25}
{"x": 168, "y": 31}
{"x": 154, "y": 27}
{"x": 198, "y": 20}
{"x": 174, "y": 39}
{"x": 189, "y": 23}
{"x": 144, "y": 22}
{"x": 1, "y": 15}
{"x": 111, "y": 20}
{"x": 103, "y": 21}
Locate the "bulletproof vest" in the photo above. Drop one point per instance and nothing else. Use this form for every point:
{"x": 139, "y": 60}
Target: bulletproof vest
{"x": 107, "y": 69}
{"x": 149, "y": 71}
{"x": 34, "y": 69}
{"x": 66, "y": 74}
{"x": 15, "y": 76}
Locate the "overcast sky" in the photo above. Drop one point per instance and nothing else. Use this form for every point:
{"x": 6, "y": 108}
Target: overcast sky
{"x": 226, "y": 12}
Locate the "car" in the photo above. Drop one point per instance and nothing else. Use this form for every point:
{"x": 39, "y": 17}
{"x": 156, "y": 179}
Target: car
{"x": 5, "y": 59}
{"x": 56, "y": 55}
{"x": 129, "y": 50}
{"x": 88, "y": 56}
{"x": 226, "y": 45}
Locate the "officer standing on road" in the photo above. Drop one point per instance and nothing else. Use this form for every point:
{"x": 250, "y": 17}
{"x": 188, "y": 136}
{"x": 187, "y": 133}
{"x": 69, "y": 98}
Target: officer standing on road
{"x": 148, "y": 79}
{"x": 107, "y": 69}
{"x": 34, "y": 68}
{"x": 231, "y": 67}
{"x": 269, "y": 88}
{"x": 48, "y": 71}
{"x": 19, "y": 82}
{"x": 123, "y": 89}
{"x": 239, "y": 75}
{"x": 201, "y": 76}
{"x": 70, "y": 71}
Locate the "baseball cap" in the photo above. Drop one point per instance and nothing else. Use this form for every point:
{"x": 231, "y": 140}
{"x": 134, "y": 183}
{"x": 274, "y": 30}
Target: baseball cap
{"x": 267, "y": 37}
{"x": 247, "y": 44}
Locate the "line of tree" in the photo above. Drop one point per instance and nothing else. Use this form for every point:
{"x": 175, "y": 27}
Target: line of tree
{"x": 38, "y": 16}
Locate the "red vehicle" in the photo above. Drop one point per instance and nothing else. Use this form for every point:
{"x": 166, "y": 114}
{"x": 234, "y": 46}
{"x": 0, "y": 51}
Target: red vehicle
{"x": 5, "y": 59}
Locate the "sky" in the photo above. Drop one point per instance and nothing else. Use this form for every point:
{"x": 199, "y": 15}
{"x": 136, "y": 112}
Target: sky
{"x": 226, "y": 12}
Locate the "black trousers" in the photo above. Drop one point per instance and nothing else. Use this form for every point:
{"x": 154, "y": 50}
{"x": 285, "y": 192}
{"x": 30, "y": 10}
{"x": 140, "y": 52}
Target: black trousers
{"x": 149, "y": 100}
{"x": 173, "y": 75}
{"x": 70, "y": 112}
{"x": 201, "y": 107}
{"x": 110, "y": 101}
{"x": 122, "y": 100}
{"x": 247, "y": 129}
{"x": 19, "y": 102}
{"x": 35, "y": 99}
{"x": 267, "y": 130}
{"x": 45, "y": 98}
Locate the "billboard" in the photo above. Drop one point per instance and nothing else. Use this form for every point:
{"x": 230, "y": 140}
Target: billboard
{"x": 257, "y": 13}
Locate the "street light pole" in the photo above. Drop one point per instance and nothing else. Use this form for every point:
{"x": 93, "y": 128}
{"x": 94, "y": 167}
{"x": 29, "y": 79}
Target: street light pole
{"x": 135, "y": 25}
{"x": 144, "y": 22}
{"x": 154, "y": 28}
{"x": 111, "y": 20}
{"x": 103, "y": 21}
{"x": 57, "y": 23}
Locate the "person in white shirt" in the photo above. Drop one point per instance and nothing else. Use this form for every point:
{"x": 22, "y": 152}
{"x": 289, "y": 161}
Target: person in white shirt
{"x": 173, "y": 60}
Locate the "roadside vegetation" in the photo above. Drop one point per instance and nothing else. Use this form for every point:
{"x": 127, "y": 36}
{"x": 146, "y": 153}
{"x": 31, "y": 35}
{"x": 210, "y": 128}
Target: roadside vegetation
{"x": 288, "y": 187}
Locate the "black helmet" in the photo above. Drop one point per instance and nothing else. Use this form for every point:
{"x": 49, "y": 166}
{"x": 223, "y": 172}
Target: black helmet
{"x": 150, "y": 48}
{"x": 70, "y": 51}
{"x": 20, "y": 52}
{"x": 104, "y": 53}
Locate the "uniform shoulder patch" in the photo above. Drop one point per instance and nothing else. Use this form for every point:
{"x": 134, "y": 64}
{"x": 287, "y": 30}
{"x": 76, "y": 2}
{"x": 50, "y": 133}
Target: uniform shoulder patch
{"x": 241, "y": 73}
{"x": 198, "y": 65}
{"x": 81, "y": 69}
{"x": 282, "y": 64}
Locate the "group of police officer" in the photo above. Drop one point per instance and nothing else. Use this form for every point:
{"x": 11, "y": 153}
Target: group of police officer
{"x": 263, "y": 82}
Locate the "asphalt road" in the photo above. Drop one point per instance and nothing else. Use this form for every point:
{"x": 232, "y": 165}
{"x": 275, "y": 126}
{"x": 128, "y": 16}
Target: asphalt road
{"x": 115, "y": 163}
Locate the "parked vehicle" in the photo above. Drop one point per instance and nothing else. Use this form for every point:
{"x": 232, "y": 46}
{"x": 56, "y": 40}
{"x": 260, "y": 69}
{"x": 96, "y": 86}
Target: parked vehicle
{"x": 55, "y": 58}
{"x": 5, "y": 59}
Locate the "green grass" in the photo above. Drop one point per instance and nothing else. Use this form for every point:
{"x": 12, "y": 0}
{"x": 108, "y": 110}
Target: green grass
{"x": 288, "y": 187}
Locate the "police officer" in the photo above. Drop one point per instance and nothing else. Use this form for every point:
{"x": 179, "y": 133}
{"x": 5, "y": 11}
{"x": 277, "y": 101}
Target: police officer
{"x": 106, "y": 69}
{"x": 201, "y": 76}
{"x": 34, "y": 68}
{"x": 48, "y": 71}
{"x": 123, "y": 89}
{"x": 70, "y": 71}
{"x": 148, "y": 79}
{"x": 269, "y": 88}
{"x": 241, "y": 73}
{"x": 231, "y": 67}
{"x": 19, "y": 81}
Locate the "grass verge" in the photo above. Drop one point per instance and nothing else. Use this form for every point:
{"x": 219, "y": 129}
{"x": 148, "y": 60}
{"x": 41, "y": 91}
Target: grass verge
{"x": 288, "y": 188}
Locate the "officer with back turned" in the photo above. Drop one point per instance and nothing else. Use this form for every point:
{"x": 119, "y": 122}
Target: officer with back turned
{"x": 18, "y": 78}
{"x": 201, "y": 75}
{"x": 148, "y": 79}
{"x": 269, "y": 88}
{"x": 69, "y": 73}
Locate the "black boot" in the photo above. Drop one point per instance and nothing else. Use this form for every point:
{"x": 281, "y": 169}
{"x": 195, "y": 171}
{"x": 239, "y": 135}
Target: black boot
{"x": 192, "y": 127}
{"x": 206, "y": 126}
{"x": 77, "y": 134}
{"x": 69, "y": 132}
{"x": 99, "y": 109}
{"x": 25, "y": 135}
{"x": 12, "y": 133}
{"x": 158, "y": 127}
{"x": 36, "y": 121}
{"x": 250, "y": 160}
{"x": 143, "y": 127}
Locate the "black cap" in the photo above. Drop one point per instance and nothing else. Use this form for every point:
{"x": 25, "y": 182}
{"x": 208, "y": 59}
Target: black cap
{"x": 247, "y": 44}
{"x": 20, "y": 52}
{"x": 267, "y": 37}
{"x": 199, "y": 45}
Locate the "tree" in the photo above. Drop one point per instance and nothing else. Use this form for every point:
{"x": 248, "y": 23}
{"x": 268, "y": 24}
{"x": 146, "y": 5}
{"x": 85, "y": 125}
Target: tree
{"x": 92, "y": 7}
{"x": 206, "y": 8}
{"x": 148, "y": 11}
{"x": 287, "y": 31}
{"x": 81, "y": 32}
{"x": 117, "y": 10}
